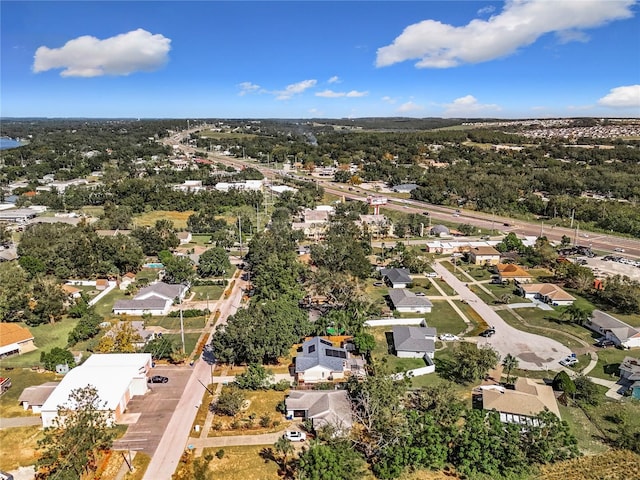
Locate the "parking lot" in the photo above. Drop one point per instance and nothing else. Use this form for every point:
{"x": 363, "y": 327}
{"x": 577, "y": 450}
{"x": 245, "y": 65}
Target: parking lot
{"x": 608, "y": 267}
{"x": 148, "y": 415}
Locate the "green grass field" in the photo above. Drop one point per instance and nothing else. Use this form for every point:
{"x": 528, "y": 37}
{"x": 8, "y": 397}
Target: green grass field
{"x": 46, "y": 337}
{"x": 445, "y": 319}
{"x": 190, "y": 340}
{"x": 242, "y": 462}
{"x": 173, "y": 323}
{"x": 381, "y": 352}
{"x": 105, "y": 304}
{"x": 18, "y": 446}
{"x": 588, "y": 436}
{"x": 201, "y": 292}
{"x": 609, "y": 360}
{"x": 21, "y": 378}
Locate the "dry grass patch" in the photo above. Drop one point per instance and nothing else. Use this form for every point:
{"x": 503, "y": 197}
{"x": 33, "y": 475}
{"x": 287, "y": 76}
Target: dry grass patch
{"x": 149, "y": 219}
{"x": 18, "y": 446}
{"x": 242, "y": 462}
{"x": 611, "y": 465}
{"x": 140, "y": 463}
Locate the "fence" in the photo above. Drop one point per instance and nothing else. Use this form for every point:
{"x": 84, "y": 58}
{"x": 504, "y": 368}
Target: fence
{"x": 383, "y": 322}
{"x": 417, "y": 372}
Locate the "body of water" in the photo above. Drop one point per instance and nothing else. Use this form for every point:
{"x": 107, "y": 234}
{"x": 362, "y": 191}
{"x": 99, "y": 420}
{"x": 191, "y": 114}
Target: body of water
{"x": 6, "y": 143}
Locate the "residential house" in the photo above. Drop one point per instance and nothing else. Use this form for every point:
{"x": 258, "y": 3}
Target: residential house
{"x": 396, "y": 277}
{"x": 328, "y": 407}
{"x": 630, "y": 374}
{"x": 156, "y": 299}
{"x": 184, "y": 237}
{"x": 414, "y": 342}
{"x": 15, "y": 339}
{"x": 405, "y": 301}
{"x": 320, "y": 361}
{"x": 520, "y": 405}
{"x": 439, "y": 231}
{"x": 126, "y": 280}
{"x": 34, "y": 397}
{"x": 484, "y": 256}
{"x": 545, "y": 292}
{"x": 511, "y": 272}
{"x": 102, "y": 284}
{"x": 117, "y": 377}
{"x": 614, "y": 329}
{"x": 376, "y": 225}
{"x": 71, "y": 291}
{"x": 405, "y": 188}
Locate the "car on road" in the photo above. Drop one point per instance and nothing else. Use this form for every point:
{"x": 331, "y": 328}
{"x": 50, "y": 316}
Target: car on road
{"x": 158, "y": 379}
{"x": 621, "y": 250}
{"x": 432, "y": 274}
{"x": 449, "y": 337}
{"x": 604, "y": 343}
{"x": 569, "y": 361}
{"x": 295, "y": 436}
{"x": 488, "y": 332}
{"x": 420, "y": 294}
{"x": 425, "y": 213}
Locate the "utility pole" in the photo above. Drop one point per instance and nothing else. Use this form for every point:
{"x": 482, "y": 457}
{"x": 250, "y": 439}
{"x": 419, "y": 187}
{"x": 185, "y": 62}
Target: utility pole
{"x": 572, "y": 214}
{"x": 182, "y": 327}
{"x": 541, "y": 229}
{"x": 240, "y": 233}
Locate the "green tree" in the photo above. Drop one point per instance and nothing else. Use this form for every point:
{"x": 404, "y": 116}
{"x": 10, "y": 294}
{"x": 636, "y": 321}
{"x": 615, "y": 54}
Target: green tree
{"x": 15, "y": 292}
{"x": 120, "y": 339}
{"x": 69, "y": 449}
{"x": 576, "y": 314}
{"x": 230, "y": 401}
{"x": 57, "y": 356}
{"x": 586, "y": 391}
{"x": 47, "y": 304}
{"x": 563, "y": 383}
{"x": 284, "y": 449}
{"x": 509, "y": 362}
{"x": 161, "y": 348}
{"x": 364, "y": 342}
{"x": 88, "y": 326}
{"x": 549, "y": 441}
{"x": 256, "y": 377}
{"x": 332, "y": 461}
{"x": 472, "y": 363}
{"x": 214, "y": 263}
{"x": 178, "y": 269}
{"x": 510, "y": 243}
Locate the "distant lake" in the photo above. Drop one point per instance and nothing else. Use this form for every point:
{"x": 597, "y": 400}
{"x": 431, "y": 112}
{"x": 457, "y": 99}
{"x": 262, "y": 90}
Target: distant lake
{"x": 6, "y": 143}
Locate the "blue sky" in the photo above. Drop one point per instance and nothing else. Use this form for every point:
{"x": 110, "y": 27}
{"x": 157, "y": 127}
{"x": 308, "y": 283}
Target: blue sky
{"x": 331, "y": 59}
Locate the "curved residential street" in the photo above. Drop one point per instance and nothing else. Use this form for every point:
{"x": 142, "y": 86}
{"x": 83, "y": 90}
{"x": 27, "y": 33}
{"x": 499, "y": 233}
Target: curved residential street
{"x": 534, "y": 352}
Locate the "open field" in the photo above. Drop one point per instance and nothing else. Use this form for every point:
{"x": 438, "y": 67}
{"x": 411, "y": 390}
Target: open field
{"x": 242, "y": 462}
{"x": 18, "y": 446}
{"x": 201, "y": 292}
{"x": 46, "y": 337}
{"x": 247, "y": 422}
{"x": 588, "y": 436}
{"x": 21, "y": 378}
{"x": 190, "y": 340}
{"x": 149, "y": 219}
{"x": 105, "y": 305}
{"x": 173, "y": 323}
{"x": 610, "y": 465}
{"x": 445, "y": 319}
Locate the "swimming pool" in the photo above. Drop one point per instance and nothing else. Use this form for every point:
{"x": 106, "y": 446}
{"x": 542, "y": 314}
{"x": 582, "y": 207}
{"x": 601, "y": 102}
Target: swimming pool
{"x": 153, "y": 265}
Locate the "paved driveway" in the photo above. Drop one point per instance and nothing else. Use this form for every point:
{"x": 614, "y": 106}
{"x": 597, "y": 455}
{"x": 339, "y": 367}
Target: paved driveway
{"x": 149, "y": 415}
{"x": 534, "y": 352}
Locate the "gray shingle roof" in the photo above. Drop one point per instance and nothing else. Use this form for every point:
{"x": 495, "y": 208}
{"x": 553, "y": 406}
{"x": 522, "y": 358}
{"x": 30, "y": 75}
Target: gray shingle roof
{"x": 316, "y": 352}
{"x": 326, "y": 407}
{"x": 37, "y": 395}
{"x": 396, "y": 275}
{"x": 162, "y": 289}
{"x": 402, "y": 297}
{"x": 413, "y": 339}
{"x": 619, "y": 328}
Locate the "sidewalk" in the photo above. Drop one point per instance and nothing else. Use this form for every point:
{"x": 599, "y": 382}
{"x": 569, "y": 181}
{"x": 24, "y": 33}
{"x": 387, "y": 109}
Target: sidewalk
{"x": 19, "y": 422}
{"x": 236, "y": 440}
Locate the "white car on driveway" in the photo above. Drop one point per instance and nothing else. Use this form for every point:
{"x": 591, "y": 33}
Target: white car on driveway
{"x": 295, "y": 436}
{"x": 569, "y": 361}
{"x": 449, "y": 337}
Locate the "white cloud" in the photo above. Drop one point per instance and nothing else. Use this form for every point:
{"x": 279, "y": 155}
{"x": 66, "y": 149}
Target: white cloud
{"x": 568, "y": 36}
{"x": 468, "y": 106}
{"x": 388, "y": 99}
{"x": 409, "y": 107}
{"x": 487, "y": 10}
{"x": 248, "y": 87}
{"x": 88, "y": 56}
{"x": 622, "y": 97}
{"x": 332, "y": 94}
{"x": 334, "y": 79}
{"x": 294, "y": 89}
{"x": 521, "y": 23}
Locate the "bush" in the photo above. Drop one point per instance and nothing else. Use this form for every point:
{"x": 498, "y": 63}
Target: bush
{"x": 281, "y": 386}
{"x": 265, "y": 421}
{"x": 190, "y": 313}
{"x": 220, "y": 454}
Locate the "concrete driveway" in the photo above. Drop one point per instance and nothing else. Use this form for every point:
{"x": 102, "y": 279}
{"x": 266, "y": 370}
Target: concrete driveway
{"x": 534, "y": 352}
{"x": 149, "y": 415}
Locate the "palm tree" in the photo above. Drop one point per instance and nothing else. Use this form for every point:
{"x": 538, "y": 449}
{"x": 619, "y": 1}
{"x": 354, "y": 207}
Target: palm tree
{"x": 284, "y": 447}
{"x": 509, "y": 362}
{"x": 576, "y": 314}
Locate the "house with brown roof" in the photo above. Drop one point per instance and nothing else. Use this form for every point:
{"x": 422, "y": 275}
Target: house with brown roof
{"x": 102, "y": 284}
{"x": 546, "y": 292}
{"x": 511, "y": 272}
{"x": 484, "y": 256}
{"x": 15, "y": 339}
{"x": 71, "y": 291}
{"x": 126, "y": 280}
{"x": 520, "y": 405}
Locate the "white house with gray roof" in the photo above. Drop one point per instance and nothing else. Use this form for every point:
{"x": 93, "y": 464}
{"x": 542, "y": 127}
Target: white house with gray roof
{"x": 404, "y": 300}
{"x": 327, "y": 407}
{"x": 320, "y": 361}
{"x": 614, "y": 329}
{"x": 396, "y": 277}
{"x": 156, "y": 299}
{"x": 414, "y": 342}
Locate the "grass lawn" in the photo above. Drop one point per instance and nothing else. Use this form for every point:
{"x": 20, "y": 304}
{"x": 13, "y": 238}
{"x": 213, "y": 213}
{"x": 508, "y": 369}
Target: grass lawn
{"x": 148, "y": 274}
{"x": 202, "y": 240}
{"x": 260, "y": 402}
{"x": 479, "y": 323}
{"x": 18, "y": 446}
{"x": 588, "y": 436}
{"x": 631, "y": 319}
{"x": 149, "y": 219}
{"x": 606, "y": 415}
{"x": 140, "y": 463}
{"x": 105, "y": 305}
{"x": 479, "y": 273}
{"x": 381, "y": 351}
{"x": 609, "y": 360}
{"x": 548, "y": 319}
{"x": 173, "y": 323}
{"x": 445, "y": 287}
{"x": 484, "y": 296}
{"x": 92, "y": 211}
{"x": 21, "y": 378}
{"x": 499, "y": 290}
{"x": 445, "y": 319}
{"x": 242, "y": 462}
{"x": 46, "y": 337}
{"x": 190, "y": 340}
{"x": 201, "y": 292}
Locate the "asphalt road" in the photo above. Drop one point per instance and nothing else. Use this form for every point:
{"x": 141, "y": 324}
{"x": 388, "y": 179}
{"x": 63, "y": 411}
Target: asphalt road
{"x": 534, "y": 352}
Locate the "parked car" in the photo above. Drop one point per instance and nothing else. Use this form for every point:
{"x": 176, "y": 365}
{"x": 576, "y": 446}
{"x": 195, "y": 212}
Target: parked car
{"x": 295, "y": 436}
{"x": 378, "y": 284}
{"x": 569, "y": 361}
{"x": 604, "y": 343}
{"x": 432, "y": 274}
{"x": 488, "y": 332}
{"x": 449, "y": 337}
{"x": 420, "y": 294}
{"x": 158, "y": 379}
{"x": 621, "y": 250}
